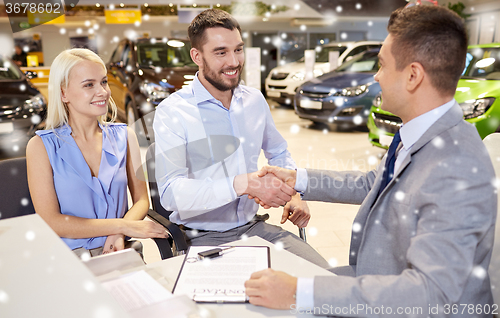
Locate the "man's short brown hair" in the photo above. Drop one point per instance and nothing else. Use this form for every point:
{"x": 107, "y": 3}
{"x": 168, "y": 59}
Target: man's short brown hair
{"x": 211, "y": 18}
{"x": 434, "y": 37}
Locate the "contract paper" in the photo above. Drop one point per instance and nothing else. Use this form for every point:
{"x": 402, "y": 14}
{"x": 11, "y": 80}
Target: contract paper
{"x": 220, "y": 279}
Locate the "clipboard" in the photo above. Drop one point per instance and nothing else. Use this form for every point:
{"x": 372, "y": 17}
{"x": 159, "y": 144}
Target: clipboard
{"x": 220, "y": 279}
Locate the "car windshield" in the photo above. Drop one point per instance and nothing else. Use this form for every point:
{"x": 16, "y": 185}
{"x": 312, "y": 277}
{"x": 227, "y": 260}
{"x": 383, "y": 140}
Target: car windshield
{"x": 366, "y": 62}
{"x": 174, "y": 53}
{"x": 8, "y": 71}
{"x": 482, "y": 63}
{"x": 323, "y": 55}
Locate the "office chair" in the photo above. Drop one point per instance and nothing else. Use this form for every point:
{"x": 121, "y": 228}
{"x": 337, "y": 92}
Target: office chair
{"x": 15, "y": 199}
{"x": 164, "y": 214}
{"x": 159, "y": 214}
{"x": 492, "y": 143}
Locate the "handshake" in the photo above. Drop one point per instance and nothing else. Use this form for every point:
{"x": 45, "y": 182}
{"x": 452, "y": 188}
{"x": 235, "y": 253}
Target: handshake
{"x": 272, "y": 187}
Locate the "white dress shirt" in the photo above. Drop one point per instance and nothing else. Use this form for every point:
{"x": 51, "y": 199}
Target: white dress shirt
{"x": 410, "y": 133}
{"x": 201, "y": 146}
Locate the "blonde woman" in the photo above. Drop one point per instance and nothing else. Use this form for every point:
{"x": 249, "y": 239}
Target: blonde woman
{"x": 79, "y": 167}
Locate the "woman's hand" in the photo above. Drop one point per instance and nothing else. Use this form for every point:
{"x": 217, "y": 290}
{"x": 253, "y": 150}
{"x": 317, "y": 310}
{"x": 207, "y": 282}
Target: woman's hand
{"x": 114, "y": 243}
{"x": 144, "y": 229}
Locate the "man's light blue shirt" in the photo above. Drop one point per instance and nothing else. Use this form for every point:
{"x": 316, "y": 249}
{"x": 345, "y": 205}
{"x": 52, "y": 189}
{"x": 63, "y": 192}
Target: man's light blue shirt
{"x": 410, "y": 133}
{"x": 201, "y": 146}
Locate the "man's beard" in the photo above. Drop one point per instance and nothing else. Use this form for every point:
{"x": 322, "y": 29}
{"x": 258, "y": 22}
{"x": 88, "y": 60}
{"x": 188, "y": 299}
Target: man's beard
{"x": 211, "y": 77}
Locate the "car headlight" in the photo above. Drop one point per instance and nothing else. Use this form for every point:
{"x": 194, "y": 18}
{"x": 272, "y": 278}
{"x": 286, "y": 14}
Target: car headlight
{"x": 352, "y": 91}
{"x": 377, "y": 101}
{"x": 299, "y": 76}
{"x": 154, "y": 91}
{"x": 35, "y": 102}
{"x": 476, "y": 107}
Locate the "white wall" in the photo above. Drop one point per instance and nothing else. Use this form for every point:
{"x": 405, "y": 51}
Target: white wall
{"x": 484, "y": 22}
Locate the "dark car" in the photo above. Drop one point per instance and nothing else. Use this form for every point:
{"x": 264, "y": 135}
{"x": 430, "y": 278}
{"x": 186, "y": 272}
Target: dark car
{"x": 143, "y": 72}
{"x": 343, "y": 96}
{"x": 22, "y": 108}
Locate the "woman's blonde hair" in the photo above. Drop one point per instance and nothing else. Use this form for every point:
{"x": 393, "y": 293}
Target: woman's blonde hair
{"x": 57, "y": 111}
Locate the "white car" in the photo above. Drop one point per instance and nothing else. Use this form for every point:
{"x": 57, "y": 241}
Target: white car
{"x": 283, "y": 81}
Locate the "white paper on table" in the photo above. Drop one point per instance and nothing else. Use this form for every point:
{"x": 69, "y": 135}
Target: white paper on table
{"x": 136, "y": 290}
{"x": 220, "y": 279}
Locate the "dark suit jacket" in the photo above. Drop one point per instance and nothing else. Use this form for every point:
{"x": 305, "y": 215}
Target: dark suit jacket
{"x": 426, "y": 240}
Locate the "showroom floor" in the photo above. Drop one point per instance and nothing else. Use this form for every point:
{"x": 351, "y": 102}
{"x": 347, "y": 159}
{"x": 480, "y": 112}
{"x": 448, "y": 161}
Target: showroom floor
{"x": 329, "y": 230}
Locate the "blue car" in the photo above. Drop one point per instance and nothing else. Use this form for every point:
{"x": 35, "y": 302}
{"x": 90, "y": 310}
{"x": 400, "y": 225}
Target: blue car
{"x": 342, "y": 97}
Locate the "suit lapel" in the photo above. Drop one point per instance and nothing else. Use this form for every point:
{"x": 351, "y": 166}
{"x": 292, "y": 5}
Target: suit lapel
{"x": 450, "y": 119}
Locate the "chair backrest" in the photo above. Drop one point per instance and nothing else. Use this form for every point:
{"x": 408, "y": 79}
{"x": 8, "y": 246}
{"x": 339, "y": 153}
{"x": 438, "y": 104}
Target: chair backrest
{"x": 15, "y": 199}
{"x": 153, "y": 187}
{"x": 492, "y": 143}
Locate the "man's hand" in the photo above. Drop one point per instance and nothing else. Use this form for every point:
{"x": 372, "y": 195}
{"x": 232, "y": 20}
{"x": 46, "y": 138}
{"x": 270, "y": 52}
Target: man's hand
{"x": 286, "y": 175}
{"x": 271, "y": 289}
{"x": 271, "y": 191}
{"x": 296, "y": 211}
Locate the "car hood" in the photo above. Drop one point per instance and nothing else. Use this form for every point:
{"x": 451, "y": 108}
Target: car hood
{"x": 468, "y": 89}
{"x": 338, "y": 80}
{"x": 11, "y": 93}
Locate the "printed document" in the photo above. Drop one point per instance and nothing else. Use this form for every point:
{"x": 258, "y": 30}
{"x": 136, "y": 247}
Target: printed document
{"x": 220, "y": 279}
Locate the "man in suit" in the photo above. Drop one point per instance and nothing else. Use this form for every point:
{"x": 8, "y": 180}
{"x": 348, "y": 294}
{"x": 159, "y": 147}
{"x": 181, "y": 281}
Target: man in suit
{"x": 421, "y": 241}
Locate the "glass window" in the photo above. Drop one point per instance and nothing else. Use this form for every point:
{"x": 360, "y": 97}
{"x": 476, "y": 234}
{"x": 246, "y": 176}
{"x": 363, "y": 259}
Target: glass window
{"x": 364, "y": 63}
{"x": 170, "y": 54}
{"x": 357, "y": 50}
{"x": 292, "y": 46}
{"x": 8, "y": 70}
{"x": 323, "y": 55}
{"x": 127, "y": 55}
{"x": 483, "y": 63}
{"x": 468, "y": 59}
{"x": 118, "y": 53}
